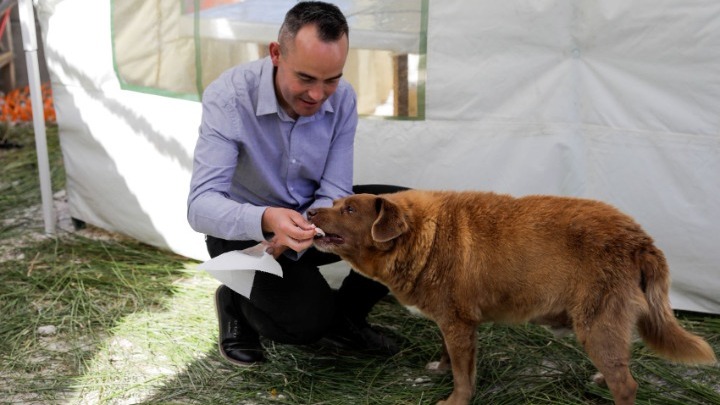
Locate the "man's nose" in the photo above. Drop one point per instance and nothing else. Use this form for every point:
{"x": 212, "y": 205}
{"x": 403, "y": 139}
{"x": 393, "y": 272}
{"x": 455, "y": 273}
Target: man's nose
{"x": 316, "y": 92}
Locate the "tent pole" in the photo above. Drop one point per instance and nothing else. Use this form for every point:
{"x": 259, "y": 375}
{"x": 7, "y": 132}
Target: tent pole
{"x": 27, "y": 24}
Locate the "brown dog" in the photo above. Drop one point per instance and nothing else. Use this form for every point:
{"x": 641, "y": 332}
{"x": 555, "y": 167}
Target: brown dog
{"x": 463, "y": 258}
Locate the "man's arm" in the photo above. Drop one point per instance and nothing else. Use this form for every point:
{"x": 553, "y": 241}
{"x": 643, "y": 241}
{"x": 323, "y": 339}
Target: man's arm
{"x": 210, "y": 211}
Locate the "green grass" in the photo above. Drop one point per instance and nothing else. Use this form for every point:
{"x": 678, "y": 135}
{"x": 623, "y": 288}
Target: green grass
{"x": 135, "y": 324}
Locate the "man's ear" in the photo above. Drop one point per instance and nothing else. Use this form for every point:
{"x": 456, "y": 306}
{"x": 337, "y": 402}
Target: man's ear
{"x": 390, "y": 222}
{"x": 274, "y": 51}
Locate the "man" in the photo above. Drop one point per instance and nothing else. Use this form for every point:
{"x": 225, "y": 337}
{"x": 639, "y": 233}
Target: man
{"x": 276, "y": 140}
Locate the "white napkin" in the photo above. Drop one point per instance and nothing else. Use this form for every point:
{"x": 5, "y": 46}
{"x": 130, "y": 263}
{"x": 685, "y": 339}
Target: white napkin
{"x": 236, "y": 269}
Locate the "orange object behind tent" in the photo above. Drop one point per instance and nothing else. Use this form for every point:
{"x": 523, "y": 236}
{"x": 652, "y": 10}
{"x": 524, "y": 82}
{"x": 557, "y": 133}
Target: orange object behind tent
{"x": 16, "y": 106}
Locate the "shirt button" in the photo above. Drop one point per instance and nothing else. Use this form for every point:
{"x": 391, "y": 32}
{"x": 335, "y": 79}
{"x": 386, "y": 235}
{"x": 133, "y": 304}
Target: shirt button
{"x": 293, "y": 161}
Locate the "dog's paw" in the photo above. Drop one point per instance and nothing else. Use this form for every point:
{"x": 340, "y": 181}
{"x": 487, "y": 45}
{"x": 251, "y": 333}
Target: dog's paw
{"x": 599, "y": 379}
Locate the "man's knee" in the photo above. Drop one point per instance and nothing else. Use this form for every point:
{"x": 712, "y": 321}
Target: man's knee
{"x": 301, "y": 323}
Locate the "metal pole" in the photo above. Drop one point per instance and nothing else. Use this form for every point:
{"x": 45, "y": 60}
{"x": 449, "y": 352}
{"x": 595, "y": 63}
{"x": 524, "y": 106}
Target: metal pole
{"x": 27, "y": 25}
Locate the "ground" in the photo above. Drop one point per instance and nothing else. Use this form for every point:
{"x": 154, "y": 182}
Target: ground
{"x": 91, "y": 317}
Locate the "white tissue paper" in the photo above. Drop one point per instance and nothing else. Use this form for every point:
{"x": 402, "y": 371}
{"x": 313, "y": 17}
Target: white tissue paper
{"x": 236, "y": 269}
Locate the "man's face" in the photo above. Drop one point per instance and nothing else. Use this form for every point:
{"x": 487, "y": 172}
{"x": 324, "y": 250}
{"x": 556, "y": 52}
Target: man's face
{"x": 308, "y": 72}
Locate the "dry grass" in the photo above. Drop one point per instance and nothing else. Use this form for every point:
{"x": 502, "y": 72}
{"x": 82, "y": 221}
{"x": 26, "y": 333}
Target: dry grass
{"x": 107, "y": 320}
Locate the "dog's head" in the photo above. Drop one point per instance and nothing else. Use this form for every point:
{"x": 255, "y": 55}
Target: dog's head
{"x": 357, "y": 225}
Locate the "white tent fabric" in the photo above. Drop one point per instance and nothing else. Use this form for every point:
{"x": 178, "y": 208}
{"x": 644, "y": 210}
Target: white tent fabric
{"x": 612, "y": 100}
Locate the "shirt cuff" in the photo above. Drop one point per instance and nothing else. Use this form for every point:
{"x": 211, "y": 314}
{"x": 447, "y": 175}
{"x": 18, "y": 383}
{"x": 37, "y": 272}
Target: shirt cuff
{"x": 255, "y": 223}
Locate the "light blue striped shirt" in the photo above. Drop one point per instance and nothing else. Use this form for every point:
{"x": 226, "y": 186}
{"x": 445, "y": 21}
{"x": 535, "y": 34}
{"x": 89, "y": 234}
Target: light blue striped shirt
{"x": 251, "y": 155}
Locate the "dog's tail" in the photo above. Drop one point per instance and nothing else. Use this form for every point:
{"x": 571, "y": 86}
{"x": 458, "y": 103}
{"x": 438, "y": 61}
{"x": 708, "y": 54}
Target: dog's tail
{"x": 658, "y": 327}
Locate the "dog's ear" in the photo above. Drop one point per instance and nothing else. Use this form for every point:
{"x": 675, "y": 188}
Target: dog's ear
{"x": 390, "y": 222}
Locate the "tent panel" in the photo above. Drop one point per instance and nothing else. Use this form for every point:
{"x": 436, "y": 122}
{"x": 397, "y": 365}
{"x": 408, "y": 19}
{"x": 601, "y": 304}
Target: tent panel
{"x": 552, "y": 97}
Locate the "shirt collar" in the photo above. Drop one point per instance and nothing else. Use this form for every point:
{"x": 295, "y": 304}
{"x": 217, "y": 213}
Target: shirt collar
{"x": 267, "y": 102}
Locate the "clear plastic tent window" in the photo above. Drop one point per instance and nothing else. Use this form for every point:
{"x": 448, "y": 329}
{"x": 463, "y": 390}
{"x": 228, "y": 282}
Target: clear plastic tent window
{"x": 176, "y": 48}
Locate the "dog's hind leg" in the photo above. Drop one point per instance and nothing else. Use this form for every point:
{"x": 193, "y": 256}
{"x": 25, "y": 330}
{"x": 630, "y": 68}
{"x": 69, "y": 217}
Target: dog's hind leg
{"x": 606, "y": 338}
{"x": 460, "y": 338}
{"x": 441, "y": 365}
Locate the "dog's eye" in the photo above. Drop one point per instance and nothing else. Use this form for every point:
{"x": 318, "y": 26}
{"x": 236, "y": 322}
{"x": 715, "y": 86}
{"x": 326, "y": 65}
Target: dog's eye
{"x": 348, "y": 209}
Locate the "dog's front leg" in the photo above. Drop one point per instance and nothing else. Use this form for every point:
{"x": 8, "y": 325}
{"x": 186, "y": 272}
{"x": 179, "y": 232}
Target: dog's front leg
{"x": 459, "y": 338}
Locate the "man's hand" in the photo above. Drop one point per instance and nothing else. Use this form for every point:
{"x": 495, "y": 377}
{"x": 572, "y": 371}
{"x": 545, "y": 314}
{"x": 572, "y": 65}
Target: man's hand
{"x": 291, "y": 230}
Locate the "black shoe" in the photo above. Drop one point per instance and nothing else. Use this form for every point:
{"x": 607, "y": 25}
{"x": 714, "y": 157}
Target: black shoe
{"x": 359, "y": 335}
{"x": 238, "y": 342}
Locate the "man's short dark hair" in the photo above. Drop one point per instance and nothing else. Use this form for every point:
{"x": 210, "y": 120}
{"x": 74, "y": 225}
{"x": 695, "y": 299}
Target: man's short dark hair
{"x": 329, "y": 20}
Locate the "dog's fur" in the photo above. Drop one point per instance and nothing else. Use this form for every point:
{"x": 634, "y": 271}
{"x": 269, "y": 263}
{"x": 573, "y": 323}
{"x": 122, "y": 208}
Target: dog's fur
{"x": 463, "y": 258}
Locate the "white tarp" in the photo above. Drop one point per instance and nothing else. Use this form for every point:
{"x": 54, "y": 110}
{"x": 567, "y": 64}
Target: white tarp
{"x": 613, "y": 100}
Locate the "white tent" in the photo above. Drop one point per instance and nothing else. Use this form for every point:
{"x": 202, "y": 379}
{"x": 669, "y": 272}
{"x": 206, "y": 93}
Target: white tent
{"x": 613, "y": 100}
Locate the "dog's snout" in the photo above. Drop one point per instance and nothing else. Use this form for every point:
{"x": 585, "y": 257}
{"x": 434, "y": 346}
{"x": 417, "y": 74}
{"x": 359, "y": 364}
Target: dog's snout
{"x": 311, "y": 214}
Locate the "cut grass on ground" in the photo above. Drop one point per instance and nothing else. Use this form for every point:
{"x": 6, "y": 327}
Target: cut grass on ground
{"x": 88, "y": 320}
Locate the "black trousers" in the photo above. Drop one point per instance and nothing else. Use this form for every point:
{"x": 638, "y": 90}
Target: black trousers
{"x": 299, "y": 307}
